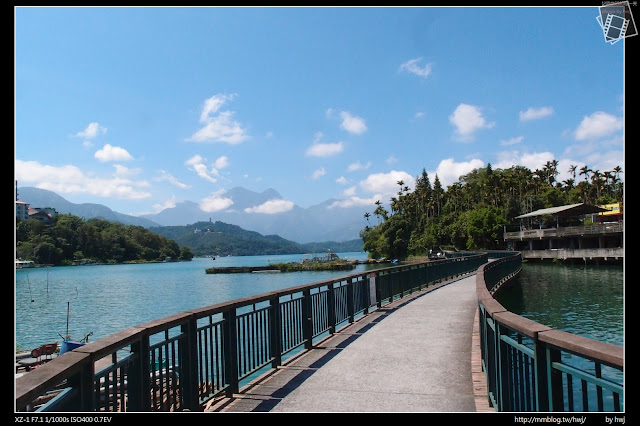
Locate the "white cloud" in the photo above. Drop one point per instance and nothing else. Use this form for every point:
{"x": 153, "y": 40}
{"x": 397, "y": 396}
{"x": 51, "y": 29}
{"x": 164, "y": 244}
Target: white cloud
{"x": 358, "y": 166}
{"x": 386, "y": 183}
{"x": 196, "y": 164}
{"x": 164, "y": 176}
{"x": 169, "y": 204}
{"x": 349, "y": 192}
{"x": 597, "y": 125}
{"x": 468, "y": 119}
{"x": 356, "y": 202}
{"x": 219, "y": 126}
{"x": 215, "y": 202}
{"x": 449, "y": 171}
{"x": 319, "y": 173}
{"x": 221, "y": 163}
{"x": 535, "y": 113}
{"x": 212, "y": 105}
{"x": 352, "y": 124}
{"x": 271, "y": 207}
{"x": 412, "y": 67}
{"x": 530, "y": 160}
{"x": 392, "y": 159}
{"x": 125, "y": 172}
{"x": 92, "y": 131}
{"x": 512, "y": 141}
{"x": 71, "y": 180}
{"x": 324, "y": 149}
{"x": 342, "y": 180}
{"x": 112, "y": 153}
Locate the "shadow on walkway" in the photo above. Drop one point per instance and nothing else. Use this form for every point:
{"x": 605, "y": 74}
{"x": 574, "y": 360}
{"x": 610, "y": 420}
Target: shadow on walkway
{"x": 267, "y": 391}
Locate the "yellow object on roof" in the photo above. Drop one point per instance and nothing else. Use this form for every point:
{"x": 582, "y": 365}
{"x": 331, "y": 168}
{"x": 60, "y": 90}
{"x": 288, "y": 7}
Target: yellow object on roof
{"x": 612, "y": 209}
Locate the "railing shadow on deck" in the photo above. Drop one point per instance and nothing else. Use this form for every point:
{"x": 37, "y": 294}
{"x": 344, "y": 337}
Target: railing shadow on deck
{"x": 532, "y": 368}
{"x": 183, "y": 361}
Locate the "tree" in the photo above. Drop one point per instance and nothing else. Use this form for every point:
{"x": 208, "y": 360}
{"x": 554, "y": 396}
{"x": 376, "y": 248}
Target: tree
{"x": 484, "y": 228}
{"x": 185, "y": 253}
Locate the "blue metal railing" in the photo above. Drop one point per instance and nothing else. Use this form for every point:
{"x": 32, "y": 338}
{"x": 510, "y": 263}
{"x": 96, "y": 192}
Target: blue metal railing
{"x": 531, "y": 367}
{"x": 185, "y": 360}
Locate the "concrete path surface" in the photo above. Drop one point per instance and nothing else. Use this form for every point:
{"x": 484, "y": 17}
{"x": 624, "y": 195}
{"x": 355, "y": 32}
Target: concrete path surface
{"x": 413, "y": 355}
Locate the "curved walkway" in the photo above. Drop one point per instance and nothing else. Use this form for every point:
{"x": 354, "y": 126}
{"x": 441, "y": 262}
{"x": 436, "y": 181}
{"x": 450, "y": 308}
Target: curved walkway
{"x": 413, "y": 355}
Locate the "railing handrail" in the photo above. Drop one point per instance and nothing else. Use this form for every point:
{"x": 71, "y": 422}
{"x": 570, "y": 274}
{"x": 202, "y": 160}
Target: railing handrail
{"x": 546, "y": 390}
{"x": 596, "y": 228}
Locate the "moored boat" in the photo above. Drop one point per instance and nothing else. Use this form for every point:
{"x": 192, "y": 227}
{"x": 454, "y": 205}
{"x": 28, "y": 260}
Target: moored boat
{"x": 22, "y": 264}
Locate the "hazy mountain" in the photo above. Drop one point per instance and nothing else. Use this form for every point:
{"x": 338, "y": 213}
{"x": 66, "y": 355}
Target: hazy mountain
{"x": 222, "y": 239}
{"x": 40, "y": 198}
{"x": 302, "y": 225}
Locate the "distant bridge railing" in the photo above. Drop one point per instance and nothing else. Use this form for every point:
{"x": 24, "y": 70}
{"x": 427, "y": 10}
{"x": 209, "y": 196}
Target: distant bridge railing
{"x": 595, "y": 229}
{"x": 184, "y": 361}
{"x": 531, "y": 367}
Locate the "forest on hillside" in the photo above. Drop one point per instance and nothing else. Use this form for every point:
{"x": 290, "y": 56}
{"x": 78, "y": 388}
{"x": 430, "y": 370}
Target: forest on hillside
{"x": 71, "y": 238}
{"x": 472, "y": 213}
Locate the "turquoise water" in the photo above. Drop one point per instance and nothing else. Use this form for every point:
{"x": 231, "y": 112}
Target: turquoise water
{"x": 584, "y": 300}
{"x": 104, "y": 299}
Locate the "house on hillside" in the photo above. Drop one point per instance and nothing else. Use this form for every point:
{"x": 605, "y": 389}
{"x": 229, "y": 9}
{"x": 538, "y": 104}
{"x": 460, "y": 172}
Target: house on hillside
{"x": 22, "y": 210}
{"x": 44, "y": 215}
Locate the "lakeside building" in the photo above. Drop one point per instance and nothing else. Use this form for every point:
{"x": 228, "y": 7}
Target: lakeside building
{"x": 576, "y": 231}
{"x": 43, "y": 214}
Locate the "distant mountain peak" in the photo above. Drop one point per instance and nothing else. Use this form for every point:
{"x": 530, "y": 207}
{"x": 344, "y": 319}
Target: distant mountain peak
{"x": 41, "y": 198}
{"x": 301, "y": 225}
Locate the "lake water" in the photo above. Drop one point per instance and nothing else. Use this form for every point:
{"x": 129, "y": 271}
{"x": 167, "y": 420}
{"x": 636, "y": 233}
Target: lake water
{"x": 104, "y": 299}
{"x": 587, "y": 300}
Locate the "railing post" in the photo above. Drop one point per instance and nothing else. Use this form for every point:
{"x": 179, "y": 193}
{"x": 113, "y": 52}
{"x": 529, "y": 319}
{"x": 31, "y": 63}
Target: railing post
{"x": 503, "y": 371}
{"x": 307, "y": 324}
{"x": 331, "y": 308}
{"x": 554, "y": 378}
{"x": 138, "y": 376}
{"x": 86, "y": 395}
{"x": 275, "y": 318}
{"x": 231, "y": 351}
{"x": 366, "y": 293}
{"x": 350, "y": 304}
{"x": 541, "y": 376}
{"x": 189, "y": 360}
{"x": 378, "y": 289}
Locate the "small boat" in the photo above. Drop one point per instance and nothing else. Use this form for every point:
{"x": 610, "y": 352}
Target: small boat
{"x": 67, "y": 344}
{"x": 22, "y": 264}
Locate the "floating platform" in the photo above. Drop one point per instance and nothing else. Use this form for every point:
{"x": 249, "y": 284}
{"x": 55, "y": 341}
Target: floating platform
{"x": 284, "y": 267}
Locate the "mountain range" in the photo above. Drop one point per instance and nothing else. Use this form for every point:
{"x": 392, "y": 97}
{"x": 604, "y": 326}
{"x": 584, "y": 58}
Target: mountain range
{"x": 302, "y": 225}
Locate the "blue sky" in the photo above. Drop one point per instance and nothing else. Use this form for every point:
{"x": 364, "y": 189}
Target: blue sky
{"x": 139, "y": 108}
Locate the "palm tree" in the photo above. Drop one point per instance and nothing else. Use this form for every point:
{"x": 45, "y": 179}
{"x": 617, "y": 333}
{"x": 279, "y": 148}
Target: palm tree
{"x": 616, "y": 171}
{"x": 569, "y": 184}
{"x": 597, "y": 181}
{"x": 572, "y": 170}
{"x": 585, "y": 171}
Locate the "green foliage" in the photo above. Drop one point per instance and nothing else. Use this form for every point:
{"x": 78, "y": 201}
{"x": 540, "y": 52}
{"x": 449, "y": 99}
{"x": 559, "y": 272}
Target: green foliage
{"x": 472, "y": 212}
{"x": 70, "y": 238}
